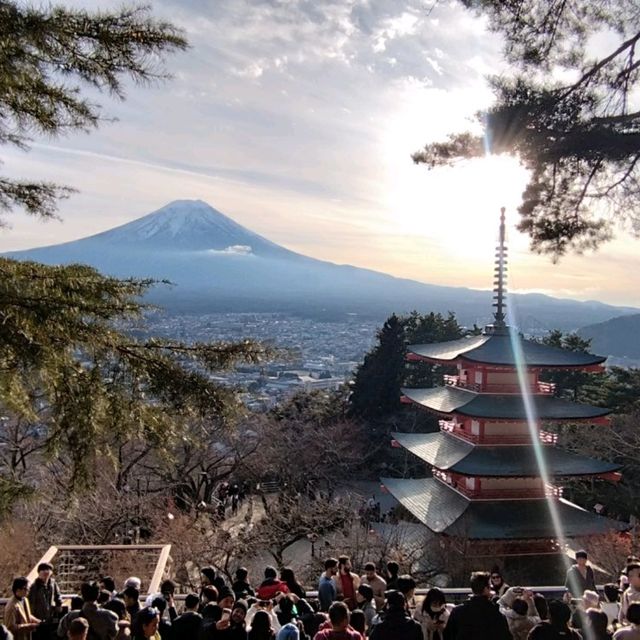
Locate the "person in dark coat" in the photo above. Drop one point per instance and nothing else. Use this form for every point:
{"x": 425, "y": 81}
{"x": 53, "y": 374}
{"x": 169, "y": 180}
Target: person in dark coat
{"x": 557, "y": 627}
{"x": 187, "y": 625}
{"x": 397, "y": 624}
{"x": 478, "y": 618}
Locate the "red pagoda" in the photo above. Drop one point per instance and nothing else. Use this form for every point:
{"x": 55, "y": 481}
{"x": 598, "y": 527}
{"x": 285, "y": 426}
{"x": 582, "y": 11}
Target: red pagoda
{"x": 486, "y": 485}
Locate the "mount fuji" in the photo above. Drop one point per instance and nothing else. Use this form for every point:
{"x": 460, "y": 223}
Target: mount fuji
{"x": 216, "y": 265}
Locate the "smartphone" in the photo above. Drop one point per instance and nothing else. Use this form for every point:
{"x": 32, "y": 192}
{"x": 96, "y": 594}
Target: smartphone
{"x": 226, "y": 614}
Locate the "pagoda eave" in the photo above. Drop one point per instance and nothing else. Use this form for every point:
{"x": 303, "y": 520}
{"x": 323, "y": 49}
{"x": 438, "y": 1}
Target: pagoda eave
{"x": 449, "y": 453}
{"x": 450, "y": 401}
{"x": 443, "y": 510}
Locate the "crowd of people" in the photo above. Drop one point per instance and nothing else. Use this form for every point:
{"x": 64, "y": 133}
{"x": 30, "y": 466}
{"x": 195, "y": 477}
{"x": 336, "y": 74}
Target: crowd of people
{"x": 348, "y": 606}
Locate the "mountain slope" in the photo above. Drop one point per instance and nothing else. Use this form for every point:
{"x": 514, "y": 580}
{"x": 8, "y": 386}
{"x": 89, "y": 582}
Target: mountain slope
{"x": 616, "y": 337}
{"x": 218, "y": 265}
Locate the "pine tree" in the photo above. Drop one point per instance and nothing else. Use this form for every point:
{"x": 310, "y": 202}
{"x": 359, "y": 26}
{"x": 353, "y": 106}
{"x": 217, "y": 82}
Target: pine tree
{"x": 569, "y": 116}
{"x": 75, "y": 387}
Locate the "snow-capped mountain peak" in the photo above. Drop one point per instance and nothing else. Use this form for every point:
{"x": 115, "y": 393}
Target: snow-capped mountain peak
{"x": 188, "y": 225}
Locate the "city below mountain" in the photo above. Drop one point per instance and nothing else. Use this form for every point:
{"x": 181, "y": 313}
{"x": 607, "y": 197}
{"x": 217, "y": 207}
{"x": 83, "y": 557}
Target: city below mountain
{"x": 216, "y": 265}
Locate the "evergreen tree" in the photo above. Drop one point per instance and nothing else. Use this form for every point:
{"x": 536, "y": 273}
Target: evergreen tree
{"x": 47, "y": 54}
{"x": 567, "y": 114}
{"x": 74, "y": 387}
{"x": 378, "y": 380}
{"x": 376, "y": 385}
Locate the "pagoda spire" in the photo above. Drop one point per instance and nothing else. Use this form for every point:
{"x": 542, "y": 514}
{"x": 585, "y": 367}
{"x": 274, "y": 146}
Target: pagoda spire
{"x": 500, "y": 277}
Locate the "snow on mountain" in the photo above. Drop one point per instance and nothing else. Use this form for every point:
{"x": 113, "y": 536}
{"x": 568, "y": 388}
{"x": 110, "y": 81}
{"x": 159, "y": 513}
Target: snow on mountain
{"x": 216, "y": 264}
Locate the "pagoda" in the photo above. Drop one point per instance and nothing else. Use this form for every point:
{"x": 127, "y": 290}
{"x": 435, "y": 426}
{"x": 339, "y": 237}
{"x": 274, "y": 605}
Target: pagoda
{"x": 486, "y": 486}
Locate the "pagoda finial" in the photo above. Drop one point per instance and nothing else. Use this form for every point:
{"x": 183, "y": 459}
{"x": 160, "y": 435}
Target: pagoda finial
{"x": 499, "y": 284}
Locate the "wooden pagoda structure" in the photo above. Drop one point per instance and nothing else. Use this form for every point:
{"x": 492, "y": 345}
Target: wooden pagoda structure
{"x": 486, "y": 485}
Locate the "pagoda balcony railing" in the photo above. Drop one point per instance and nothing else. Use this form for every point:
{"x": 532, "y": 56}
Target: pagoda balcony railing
{"x": 454, "y": 428}
{"x": 524, "y": 493}
{"x": 539, "y": 388}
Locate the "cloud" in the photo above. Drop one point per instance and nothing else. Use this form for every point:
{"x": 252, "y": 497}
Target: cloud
{"x": 235, "y": 250}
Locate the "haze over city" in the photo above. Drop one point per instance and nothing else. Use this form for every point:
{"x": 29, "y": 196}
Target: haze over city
{"x": 298, "y": 120}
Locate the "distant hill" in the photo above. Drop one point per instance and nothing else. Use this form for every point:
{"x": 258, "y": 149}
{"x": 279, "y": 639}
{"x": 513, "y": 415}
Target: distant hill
{"x": 619, "y": 337}
{"x": 218, "y": 265}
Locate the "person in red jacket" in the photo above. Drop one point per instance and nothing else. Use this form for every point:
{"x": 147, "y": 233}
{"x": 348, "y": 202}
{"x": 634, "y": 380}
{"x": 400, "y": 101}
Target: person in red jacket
{"x": 271, "y": 585}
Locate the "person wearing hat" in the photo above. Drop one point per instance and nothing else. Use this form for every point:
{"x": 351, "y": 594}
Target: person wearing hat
{"x": 580, "y": 576}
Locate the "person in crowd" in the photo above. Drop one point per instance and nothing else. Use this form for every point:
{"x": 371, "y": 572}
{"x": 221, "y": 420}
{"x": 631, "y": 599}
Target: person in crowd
{"x": 478, "y": 618}
{"x": 133, "y": 581}
{"x": 623, "y": 580}
{"x": 289, "y": 578}
{"x": 358, "y": 622}
{"x": 632, "y": 593}
{"x": 376, "y": 582}
{"x": 78, "y": 629}
{"x": 103, "y": 624}
{"x": 289, "y": 632}
{"x": 208, "y": 575}
{"x": 103, "y": 597}
{"x": 187, "y": 624}
{"x": 596, "y": 625}
{"x": 108, "y": 584}
{"x": 589, "y": 600}
{"x": 519, "y": 616}
{"x": 145, "y": 626}
{"x": 397, "y": 624}
{"x": 211, "y": 615}
{"x": 407, "y": 587}
{"x": 498, "y": 585}
{"x": 231, "y": 625}
{"x": 167, "y": 593}
{"x": 45, "y": 601}
{"x": 241, "y": 587}
{"x": 17, "y": 612}
{"x": 261, "y": 627}
{"x": 266, "y": 606}
{"x": 433, "y": 615}
{"x": 340, "y": 629}
{"x": 542, "y": 606}
{"x": 226, "y": 598}
{"x": 124, "y": 622}
{"x": 347, "y": 582}
{"x": 5, "y": 634}
{"x": 393, "y": 571}
{"x": 271, "y": 585}
{"x": 611, "y": 603}
{"x": 291, "y": 609}
{"x": 557, "y": 627}
{"x": 327, "y": 589}
{"x": 580, "y": 576}
{"x": 164, "y": 626}
{"x": 131, "y": 597}
{"x": 632, "y": 631}
{"x": 208, "y": 595}
{"x": 365, "y": 603}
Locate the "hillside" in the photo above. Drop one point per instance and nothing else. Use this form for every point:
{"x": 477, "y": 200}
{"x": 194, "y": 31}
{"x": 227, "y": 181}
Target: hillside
{"x": 217, "y": 265}
{"x": 615, "y": 337}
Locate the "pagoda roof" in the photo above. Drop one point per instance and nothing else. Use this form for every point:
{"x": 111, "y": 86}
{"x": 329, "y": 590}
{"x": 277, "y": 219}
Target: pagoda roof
{"x": 444, "y": 510}
{"x": 453, "y": 400}
{"x": 448, "y": 453}
{"x": 497, "y": 349}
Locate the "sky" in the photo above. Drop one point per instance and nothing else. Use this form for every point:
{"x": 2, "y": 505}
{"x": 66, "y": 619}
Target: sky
{"x": 297, "y": 118}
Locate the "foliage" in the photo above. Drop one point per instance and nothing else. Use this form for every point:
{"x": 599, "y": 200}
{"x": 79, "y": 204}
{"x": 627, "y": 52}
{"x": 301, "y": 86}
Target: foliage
{"x": 566, "y": 114}
{"x": 75, "y": 389}
{"x": 574, "y": 385}
{"x": 48, "y": 54}
{"x": 376, "y": 386}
